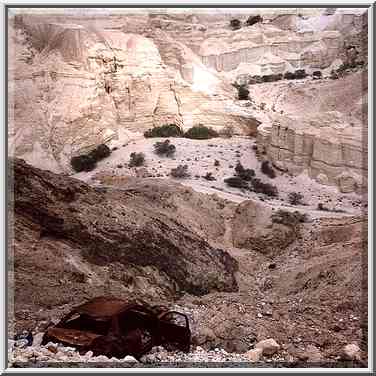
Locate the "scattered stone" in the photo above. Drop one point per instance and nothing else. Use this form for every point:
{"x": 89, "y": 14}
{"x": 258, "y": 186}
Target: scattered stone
{"x": 254, "y": 355}
{"x": 313, "y": 354}
{"x": 37, "y": 340}
{"x": 268, "y": 346}
{"x": 130, "y": 359}
{"x": 351, "y": 352}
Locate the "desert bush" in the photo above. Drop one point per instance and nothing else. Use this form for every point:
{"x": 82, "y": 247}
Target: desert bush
{"x": 100, "y": 152}
{"x": 289, "y": 218}
{"x": 164, "y": 148}
{"x": 236, "y": 182}
{"x": 87, "y": 162}
{"x": 253, "y": 19}
{"x": 235, "y": 24}
{"x": 272, "y": 77}
{"x": 289, "y": 76}
{"x": 136, "y": 159}
{"x": 227, "y": 131}
{"x": 83, "y": 163}
{"x": 244, "y": 173}
{"x": 267, "y": 169}
{"x": 200, "y": 132}
{"x": 216, "y": 163}
{"x": 209, "y": 176}
{"x": 180, "y": 172}
{"x": 317, "y": 74}
{"x": 300, "y": 73}
{"x": 167, "y": 130}
{"x": 268, "y": 189}
{"x": 333, "y": 75}
{"x": 243, "y": 93}
{"x": 320, "y": 206}
{"x": 255, "y": 80}
{"x": 295, "y": 198}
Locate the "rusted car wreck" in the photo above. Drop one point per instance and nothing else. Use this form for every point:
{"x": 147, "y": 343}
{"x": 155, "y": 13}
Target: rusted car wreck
{"x": 116, "y": 328}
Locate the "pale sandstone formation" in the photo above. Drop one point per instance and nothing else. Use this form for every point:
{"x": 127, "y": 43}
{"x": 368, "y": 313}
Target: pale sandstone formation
{"x": 329, "y": 148}
{"x": 82, "y": 80}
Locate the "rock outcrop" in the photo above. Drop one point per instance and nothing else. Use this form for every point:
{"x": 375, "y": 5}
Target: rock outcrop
{"x": 331, "y": 150}
{"x": 67, "y": 232}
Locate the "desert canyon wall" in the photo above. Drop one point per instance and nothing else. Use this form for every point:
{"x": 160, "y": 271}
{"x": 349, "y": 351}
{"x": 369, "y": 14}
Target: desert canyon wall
{"x": 76, "y": 82}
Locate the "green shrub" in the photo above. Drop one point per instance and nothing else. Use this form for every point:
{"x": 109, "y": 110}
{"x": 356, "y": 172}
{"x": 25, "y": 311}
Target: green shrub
{"x": 317, "y": 74}
{"x": 236, "y": 182}
{"x": 88, "y": 162}
{"x": 244, "y": 173}
{"x": 268, "y": 189}
{"x": 253, "y": 19}
{"x": 295, "y": 198}
{"x": 209, "y": 176}
{"x": 136, "y": 159}
{"x": 164, "y": 148}
{"x": 235, "y": 24}
{"x": 167, "y": 130}
{"x": 289, "y": 218}
{"x": 83, "y": 163}
{"x": 180, "y": 172}
{"x": 200, "y": 132}
{"x": 267, "y": 169}
{"x": 100, "y": 152}
{"x": 243, "y": 93}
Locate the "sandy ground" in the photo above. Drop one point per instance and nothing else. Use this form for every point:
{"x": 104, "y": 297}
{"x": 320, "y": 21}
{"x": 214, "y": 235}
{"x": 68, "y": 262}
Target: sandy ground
{"x": 200, "y": 156}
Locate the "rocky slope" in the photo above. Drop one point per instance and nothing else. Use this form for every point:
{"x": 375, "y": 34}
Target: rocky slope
{"x": 160, "y": 242}
{"x": 64, "y": 225}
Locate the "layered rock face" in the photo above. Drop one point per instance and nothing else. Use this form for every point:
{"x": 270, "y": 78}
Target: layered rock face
{"x": 333, "y": 155}
{"x": 284, "y": 41}
{"x": 321, "y": 133}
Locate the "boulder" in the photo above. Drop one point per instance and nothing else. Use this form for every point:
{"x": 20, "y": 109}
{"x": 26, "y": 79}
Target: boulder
{"x": 254, "y": 355}
{"x": 268, "y": 346}
{"x": 351, "y": 352}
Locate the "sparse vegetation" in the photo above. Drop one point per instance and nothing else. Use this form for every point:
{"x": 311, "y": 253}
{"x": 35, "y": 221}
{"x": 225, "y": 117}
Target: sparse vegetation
{"x": 244, "y": 173}
{"x": 267, "y": 169}
{"x": 243, "y": 92}
{"x": 164, "y": 148}
{"x": 88, "y": 162}
{"x": 83, "y": 163}
{"x": 317, "y": 75}
{"x": 235, "y": 24}
{"x": 180, "y": 172}
{"x": 136, "y": 159}
{"x": 236, "y": 182}
{"x": 288, "y": 218}
{"x": 298, "y": 74}
{"x": 268, "y": 189}
{"x": 167, "y": 130}
{"x": 209, "y": 176}
{"x": 253, "y": 20}
{"x": 295, "y": 198}
{"x": 200, "y": 132}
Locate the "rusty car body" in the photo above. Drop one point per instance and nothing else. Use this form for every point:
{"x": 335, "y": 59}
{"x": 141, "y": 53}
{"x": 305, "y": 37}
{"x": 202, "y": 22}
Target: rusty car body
{"x": 116, "y": 328}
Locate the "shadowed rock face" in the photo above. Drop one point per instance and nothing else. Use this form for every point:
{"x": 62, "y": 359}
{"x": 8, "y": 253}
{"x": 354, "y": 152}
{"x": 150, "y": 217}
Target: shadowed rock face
{"x": 107, "y": 228}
